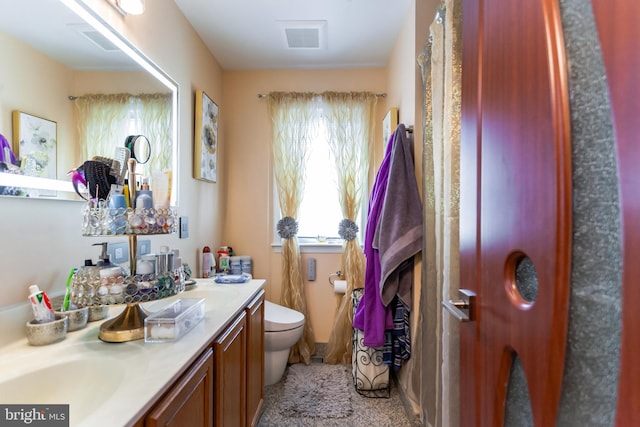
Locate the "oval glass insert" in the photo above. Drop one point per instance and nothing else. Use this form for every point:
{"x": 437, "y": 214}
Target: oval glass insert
{"x": 526, "y": 279}
{"x": 521, "y": 280}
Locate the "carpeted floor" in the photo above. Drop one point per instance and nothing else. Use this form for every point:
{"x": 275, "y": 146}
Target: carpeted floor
{"x": 313, "y": 406}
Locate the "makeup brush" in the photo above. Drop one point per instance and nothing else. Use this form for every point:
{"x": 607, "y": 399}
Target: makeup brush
{"x": 131, "y": 163}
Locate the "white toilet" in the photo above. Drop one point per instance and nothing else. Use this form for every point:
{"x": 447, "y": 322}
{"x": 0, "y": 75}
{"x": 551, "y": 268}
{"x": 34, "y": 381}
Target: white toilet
{"x": 282, "y": 329}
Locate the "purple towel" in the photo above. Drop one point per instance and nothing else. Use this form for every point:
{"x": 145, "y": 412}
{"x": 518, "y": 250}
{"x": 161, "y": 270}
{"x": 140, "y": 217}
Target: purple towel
{"x": 371, "y": 316}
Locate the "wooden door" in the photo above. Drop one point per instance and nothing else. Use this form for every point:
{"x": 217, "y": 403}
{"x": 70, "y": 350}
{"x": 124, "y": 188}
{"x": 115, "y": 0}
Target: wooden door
{"x": 619, "y": 32}
{"x": 515, "y": 220}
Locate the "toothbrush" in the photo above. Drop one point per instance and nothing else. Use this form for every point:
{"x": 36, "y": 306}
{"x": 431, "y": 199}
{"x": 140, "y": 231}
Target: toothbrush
{"x": 67, "y": 295}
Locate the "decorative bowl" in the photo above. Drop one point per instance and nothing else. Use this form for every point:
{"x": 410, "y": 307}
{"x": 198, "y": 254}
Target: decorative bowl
{"x": 77, "y": 318}
{"x": 98, "y": 312}
{"x": 47, "y": 333}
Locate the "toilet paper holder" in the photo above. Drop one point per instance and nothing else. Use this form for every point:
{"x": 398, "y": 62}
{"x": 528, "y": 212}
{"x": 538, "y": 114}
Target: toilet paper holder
{"x": 335, "y": 276}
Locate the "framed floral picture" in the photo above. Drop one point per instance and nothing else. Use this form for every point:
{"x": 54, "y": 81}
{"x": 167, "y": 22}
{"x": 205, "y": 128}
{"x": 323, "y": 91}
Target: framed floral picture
{"x": 205, "y": 153}
{"x": 35, "y": 141}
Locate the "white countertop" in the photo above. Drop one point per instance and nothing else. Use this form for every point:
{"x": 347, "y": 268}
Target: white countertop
{"x": 113, "y": 384}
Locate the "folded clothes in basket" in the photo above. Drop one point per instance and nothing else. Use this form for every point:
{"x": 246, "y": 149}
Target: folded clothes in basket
{"x": 232, "y": 278}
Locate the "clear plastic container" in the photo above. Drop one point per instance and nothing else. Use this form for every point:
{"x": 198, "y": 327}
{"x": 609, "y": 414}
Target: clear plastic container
{"x": 174, "y": 321}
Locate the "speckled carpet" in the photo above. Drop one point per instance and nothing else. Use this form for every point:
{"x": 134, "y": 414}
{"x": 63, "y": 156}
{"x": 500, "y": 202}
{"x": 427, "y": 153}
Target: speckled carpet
{"x": 317, "y": 390}
{"x": 341, "y": 406}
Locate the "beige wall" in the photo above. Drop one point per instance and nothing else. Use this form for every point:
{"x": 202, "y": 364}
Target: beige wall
{"x": 248, "y": 175}
{"x": 24, "y": 87}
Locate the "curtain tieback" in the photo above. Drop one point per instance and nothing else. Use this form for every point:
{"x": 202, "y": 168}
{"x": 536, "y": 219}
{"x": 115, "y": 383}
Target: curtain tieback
{"x": 287, "y": 227}
{"x": 348, "y": 229}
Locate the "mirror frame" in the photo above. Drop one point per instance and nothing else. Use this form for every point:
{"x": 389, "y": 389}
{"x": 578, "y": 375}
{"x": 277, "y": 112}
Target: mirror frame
{"x": 92, "y": 18}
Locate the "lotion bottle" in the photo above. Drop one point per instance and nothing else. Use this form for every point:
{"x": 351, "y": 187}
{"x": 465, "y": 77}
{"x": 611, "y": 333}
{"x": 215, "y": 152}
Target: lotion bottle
{"x": 144, "y": 196}
{"x": 42, "y": 310}
{"x": 208, "y": 263}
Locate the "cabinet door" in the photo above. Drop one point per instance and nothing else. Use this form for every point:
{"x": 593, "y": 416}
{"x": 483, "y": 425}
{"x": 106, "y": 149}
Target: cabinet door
{"x": 190, "y": 400}
{"x": 230, "y": 352}
{"x": 255, "y": 359}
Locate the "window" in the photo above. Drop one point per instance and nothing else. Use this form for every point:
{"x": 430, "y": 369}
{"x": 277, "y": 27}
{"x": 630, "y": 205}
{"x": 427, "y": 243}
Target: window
{"x": 321, "y": 151}
{"x": 320, "y": 213}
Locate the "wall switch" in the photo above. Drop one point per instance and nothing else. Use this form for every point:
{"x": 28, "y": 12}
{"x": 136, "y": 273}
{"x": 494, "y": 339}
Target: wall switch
{"x": 184, "y": 227}
{"x": 311, "y": 269}
{"x": 144, "y": 247}
{"x": 118, "y": 252}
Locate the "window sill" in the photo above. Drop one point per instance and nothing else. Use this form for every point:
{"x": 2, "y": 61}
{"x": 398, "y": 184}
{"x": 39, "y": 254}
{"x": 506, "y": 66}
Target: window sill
{"x": 333, "y": 247}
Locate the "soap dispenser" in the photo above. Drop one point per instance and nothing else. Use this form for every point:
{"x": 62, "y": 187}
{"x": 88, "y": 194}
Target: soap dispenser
{"x": 104, "y": 260}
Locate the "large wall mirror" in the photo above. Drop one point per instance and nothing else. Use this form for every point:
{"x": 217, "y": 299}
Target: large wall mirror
{"x": 55, "y": 53}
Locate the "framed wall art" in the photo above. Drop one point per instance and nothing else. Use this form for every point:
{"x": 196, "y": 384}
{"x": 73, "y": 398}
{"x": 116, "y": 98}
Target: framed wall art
{"x": 35, "y": 142}
{"x": 205, "y": 153}
{"x": 389, "y": 125}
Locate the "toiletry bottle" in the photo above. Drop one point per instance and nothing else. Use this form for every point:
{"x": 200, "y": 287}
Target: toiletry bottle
{"x": 161, "y": 189}
{"x": 42, "y": 310}
{"x": 224, "y": 263}
{"x": 208, "y": 263}
{"x": 144, "y": 196}
{"x": 125, "y": 192}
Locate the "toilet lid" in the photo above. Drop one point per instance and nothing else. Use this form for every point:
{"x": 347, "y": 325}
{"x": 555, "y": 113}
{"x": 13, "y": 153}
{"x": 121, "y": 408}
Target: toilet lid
{"x": 280, "y": 318}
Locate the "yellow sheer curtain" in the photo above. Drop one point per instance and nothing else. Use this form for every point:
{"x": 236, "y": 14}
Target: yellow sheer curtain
{"x": 349, "y": 122}
{"x": 104, "y": 122}
{"x": 293, "y": 119}
{"x": 154, "y": 121}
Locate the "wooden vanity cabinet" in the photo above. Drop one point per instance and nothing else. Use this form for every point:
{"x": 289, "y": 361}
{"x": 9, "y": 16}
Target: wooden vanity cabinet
{"x": 224, "y": 387}
{"x": 255, "y": 359}
{"x": 190, "y": 400}
{"x": 230, "y": 389}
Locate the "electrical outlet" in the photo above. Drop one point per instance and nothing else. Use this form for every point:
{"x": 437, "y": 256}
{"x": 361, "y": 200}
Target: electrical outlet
{"x": 118, "y": 252}
{"x": 311, "y": 269}
{"x": 184, "y": 227}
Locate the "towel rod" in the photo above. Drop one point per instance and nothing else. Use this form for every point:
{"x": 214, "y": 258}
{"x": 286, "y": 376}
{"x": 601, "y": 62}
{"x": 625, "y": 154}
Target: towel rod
{"x": 264, "y": 95}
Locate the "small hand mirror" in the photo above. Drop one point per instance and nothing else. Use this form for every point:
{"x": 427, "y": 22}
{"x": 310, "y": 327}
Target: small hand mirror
{"x": 140, "y": 148}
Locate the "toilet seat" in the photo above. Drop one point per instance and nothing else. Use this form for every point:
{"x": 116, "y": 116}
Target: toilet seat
{"x": 279, "y": 318}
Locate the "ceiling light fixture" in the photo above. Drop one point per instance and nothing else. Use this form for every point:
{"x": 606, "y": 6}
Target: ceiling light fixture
{"x": 132, "y": 7}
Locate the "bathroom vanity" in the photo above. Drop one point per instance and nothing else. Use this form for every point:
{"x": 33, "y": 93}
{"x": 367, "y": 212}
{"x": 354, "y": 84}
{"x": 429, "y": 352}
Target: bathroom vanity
{"x": 213, "y": 375}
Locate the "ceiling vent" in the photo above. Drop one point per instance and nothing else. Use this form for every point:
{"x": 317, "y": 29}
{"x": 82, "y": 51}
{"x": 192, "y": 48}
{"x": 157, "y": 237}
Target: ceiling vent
{"x": 304, "y": 34}
{"x": 95, "y": 37}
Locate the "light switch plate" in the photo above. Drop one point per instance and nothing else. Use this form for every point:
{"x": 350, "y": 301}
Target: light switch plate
{"x": 144, "y": 247}
{"x": 311, "y": 269}
{"x": 184, "y": 227}
{"x": 118, "y": 252}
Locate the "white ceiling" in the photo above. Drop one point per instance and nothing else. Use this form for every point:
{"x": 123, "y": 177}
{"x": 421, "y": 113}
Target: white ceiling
{"x": 241, "y": 34}
{"x": 247, "y": 34}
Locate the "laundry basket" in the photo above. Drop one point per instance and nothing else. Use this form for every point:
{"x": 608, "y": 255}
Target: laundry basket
{"x": 370, "y": 374}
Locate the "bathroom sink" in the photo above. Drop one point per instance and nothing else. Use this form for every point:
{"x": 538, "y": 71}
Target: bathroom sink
{"x": 82, "y": 384}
